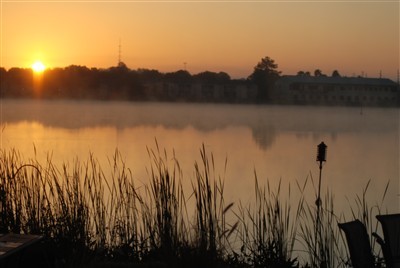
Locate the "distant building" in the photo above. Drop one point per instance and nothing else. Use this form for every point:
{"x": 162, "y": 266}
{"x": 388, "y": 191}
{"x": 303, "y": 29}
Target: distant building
{"x": 233, "y": 92}
{"x": 324, "y": 90}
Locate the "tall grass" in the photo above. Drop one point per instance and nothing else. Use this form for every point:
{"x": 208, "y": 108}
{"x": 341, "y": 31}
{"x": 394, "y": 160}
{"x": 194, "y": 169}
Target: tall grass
{"x": 212, "y": 231}
{"x": 320, "y": 236}
{"x": 43, "y": 200}
{"x": 164, "y": 225}
{"x": 268, "y": 228}
{"x": 362, "y": 210}
{"x": 88, "y": 217}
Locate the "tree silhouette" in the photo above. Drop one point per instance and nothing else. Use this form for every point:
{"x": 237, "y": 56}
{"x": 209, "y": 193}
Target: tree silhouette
{"x": 121, "y": 83}
{"x": 264, "y": 76}
{"x": 212, "y": 78}
{"x": 147, "y": 75}
{"x": 335, "y": 73}
{"x": 179, "y": 77}
{"x": 18, "y": 82}
{"x": 3, "y": 74}
{"x": 302, "y": 73}
{"x": 318, "y": 72}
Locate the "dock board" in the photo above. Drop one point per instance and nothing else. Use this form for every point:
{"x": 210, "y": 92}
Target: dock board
{"x": 13, "y": 243}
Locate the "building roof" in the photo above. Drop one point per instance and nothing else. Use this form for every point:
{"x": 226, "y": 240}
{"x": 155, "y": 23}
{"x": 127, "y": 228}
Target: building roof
{"x": 336, "y": 80}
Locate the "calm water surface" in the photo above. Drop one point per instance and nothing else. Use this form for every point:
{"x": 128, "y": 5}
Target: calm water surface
{"x": 279, "y": 143}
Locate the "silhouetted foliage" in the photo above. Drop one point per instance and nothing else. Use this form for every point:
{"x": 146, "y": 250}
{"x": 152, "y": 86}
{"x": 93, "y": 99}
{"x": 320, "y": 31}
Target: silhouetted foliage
{"x": 318, "y": 73}
{"x": 264, "y": 76}
{"x": 147, "y": 75}
{"x": 3, "y": 74}
{"x": 335, "y": 73}
{"x": 18, "y": 82}
{"x": 121, "y": 83}
{"x": 302, "y": 73}
{"x": 179, "y": 77}
{"x": 74, "y": 82}
{"x": 212, "y": 78}
{"x": 122, "y": 65}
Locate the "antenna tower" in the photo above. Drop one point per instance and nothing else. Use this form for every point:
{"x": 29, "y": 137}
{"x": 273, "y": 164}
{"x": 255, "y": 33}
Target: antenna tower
{"x": 119, "y": 53}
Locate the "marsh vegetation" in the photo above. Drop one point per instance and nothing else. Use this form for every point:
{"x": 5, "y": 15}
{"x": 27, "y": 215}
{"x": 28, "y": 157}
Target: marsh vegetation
{"x": 89, "y": 218}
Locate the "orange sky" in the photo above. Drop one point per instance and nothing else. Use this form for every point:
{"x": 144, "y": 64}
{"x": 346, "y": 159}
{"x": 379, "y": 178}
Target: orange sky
{"x": 354, "y": 37}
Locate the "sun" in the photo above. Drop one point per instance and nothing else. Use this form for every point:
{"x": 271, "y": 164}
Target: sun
{"x": 38, "y": 67}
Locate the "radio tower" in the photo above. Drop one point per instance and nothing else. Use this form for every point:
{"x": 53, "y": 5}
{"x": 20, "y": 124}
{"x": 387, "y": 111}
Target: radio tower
{"x": 119, "y": 54}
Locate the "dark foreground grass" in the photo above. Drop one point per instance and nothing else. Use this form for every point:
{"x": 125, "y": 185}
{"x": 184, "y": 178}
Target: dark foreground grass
{"x": 92, "y": 219}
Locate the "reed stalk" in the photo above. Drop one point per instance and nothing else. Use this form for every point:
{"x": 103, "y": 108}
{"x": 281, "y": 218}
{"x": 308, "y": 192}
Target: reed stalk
{"x": 212, "y": 231}
{"x": 268, "y": 228}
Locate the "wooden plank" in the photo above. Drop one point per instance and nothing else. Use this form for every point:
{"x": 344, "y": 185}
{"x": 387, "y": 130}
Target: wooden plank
{"x": 12, "y": 243}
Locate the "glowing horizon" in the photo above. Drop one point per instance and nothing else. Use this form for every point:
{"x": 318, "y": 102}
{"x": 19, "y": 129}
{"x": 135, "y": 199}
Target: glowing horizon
{"x": 38, "y": 66}
{"x": 355, "y": 38}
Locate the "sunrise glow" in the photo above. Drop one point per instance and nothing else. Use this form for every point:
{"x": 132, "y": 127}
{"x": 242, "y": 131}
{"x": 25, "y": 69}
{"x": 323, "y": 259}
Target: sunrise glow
{"x": 38, "y": 67}
{"x": 355, "y": 37}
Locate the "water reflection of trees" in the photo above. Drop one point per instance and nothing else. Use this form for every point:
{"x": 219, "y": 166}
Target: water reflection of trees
{"x": 264, "y": 135}
{"x": 266, "y": 123}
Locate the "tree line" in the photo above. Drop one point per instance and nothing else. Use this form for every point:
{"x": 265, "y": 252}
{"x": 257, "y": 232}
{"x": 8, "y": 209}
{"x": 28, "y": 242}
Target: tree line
{"x": 122, "y": 83}
{"x": 81, "y": 82}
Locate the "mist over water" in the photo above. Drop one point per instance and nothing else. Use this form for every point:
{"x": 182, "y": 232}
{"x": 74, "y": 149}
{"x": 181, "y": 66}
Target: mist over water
{"x": 276, "y": 142}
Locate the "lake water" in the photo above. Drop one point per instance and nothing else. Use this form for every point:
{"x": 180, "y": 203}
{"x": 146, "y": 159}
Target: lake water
{"x": 276, "y": 142}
